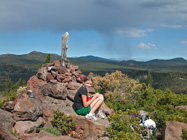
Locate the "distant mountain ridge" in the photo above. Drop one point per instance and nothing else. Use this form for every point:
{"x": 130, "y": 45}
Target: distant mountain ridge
{"x": 163, "y": 71}
{"x": 36, "y": 57}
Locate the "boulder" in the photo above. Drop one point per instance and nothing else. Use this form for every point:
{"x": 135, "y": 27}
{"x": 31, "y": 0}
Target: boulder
{"x": 50, "y": 104}
{"x": 49, "y": 77}
{"x": 67, "y": 80}
{"x": 36, "y": 85}
{"x": 57, "y": 63}
{"x": 90, "y": 129}
{"x": 72, "y": 67}
{"x": 5, "y": 134}
{"x": 60, "y": 70}
{"x": 71, "y": 94}
{"x": 80, "y": 78}
{"x": 6, "y": 121}
{"x": 183, "y": 107}
{"x": 27, "y": 109}
{"x": 9, "y": 106}
{"x": 22, "y": 127}
{"x": 68, "y": 74}
{"x": 74, "y": 85}
{"x": 42, "y": 73}
{"x": 60, "y": 77}
{"x": 49, "y": 65}
{"x": 172, "y": 130}
{"x": 57, "y": 90}
{"x": 106, "y": 109}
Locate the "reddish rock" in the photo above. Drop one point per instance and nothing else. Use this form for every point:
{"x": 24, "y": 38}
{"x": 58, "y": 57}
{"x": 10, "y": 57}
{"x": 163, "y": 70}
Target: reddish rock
{"x": 36, "y": 85}
{"x": 172, "y": 130}
{"x": 90, "y": 129}
{"x": 78, "y": 72}
{"x": 60, "y": 70}
{"x": 67, "y": 80}
{"x": 74, "y": 85}
{"x": 27, "y": 109}
{"x": 42, "y": 73}
{"x": 22, "y": 127}
{"x": 72, "y": 70}
{"x": 71, "y": 94}
{"x": 106, "y": 109}
{"x": 55, "y": 90}
{"x": 9, "y": 106}
{"x": 60, "y": 77}
{"x": 53, "y": 81}
{"x": 6, "y": 121}
{"x": 49, "y": 64}
{"x": 54, "y": 73}
{"x": 50, "y": 104}
{"x": 49, "y": 77}
{"x": 80, "y": 78}
{"x": 72, "y": 67}
{"x": 57, "y": 63}
{"x": 5, "y": 134}
{"x": 68, "y": 74}
{"x": 73, "y": 78}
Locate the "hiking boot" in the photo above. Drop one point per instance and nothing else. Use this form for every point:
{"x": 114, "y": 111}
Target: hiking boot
{"x": 91, "y": 117}
{"x": 101, "y": 114}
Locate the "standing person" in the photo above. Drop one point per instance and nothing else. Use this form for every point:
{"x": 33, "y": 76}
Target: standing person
{"x": 91, "y": 107}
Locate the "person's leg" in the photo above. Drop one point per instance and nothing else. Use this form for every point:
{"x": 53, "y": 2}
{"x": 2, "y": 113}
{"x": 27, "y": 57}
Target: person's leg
{"x": 95, "y": 105}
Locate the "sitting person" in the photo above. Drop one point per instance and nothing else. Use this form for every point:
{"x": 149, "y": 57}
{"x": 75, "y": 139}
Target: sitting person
{"x": 91, "y": 107}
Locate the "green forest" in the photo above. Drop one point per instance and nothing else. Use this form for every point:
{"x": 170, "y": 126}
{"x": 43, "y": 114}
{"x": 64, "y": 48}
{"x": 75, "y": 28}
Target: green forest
{"x": 126, "y": 89}
{"x": 165, "y": 74}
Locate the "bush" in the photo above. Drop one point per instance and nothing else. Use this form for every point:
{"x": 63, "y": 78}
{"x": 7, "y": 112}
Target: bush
{"x": 65, "y": 124}
{"x": 125, "y": 95}
{"x": 10, "y": 92}
{"x": 184, "y": 134}
{"x": 51, "y": 130}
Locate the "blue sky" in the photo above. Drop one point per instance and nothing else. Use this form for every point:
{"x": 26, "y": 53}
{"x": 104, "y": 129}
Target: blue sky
{"x": 120, "y": 29}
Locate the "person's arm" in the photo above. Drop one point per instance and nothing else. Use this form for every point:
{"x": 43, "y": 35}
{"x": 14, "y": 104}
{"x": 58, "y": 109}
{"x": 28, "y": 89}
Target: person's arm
{"x": 85, "y": 102}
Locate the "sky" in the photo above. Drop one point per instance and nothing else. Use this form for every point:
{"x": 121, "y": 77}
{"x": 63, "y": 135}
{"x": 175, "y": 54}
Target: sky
{"x": 119, "y": 29}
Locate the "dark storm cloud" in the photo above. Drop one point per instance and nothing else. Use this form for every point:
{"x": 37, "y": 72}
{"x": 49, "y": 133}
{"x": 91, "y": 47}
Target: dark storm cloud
{"x": 104, "y": 16}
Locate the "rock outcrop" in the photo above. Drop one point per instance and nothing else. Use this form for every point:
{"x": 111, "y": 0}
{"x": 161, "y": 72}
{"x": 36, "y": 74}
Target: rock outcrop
{"x": 172, "y": 130}
{"x": 52, "y": 88}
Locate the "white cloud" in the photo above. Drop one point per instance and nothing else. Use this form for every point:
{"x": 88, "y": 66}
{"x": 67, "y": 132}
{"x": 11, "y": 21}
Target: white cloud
{"x": 133, "y": 32}
{"x": 172, "y": 26}
{"x": 146, "y": 46}
{"x": 183, "y": 42}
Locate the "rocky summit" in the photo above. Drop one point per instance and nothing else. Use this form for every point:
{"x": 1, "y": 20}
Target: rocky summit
{"x": 52, "y": 88}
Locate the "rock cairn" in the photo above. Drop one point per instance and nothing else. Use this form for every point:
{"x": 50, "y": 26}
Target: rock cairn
{"x": 52, "y": 88}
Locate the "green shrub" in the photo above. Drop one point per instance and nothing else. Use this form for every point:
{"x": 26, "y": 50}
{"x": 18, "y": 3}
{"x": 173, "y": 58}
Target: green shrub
{"x": 10, "y": 92}
{"x": 184, "y": 134}
{"x": 65, "y": 124}
{"x": 130, "y": 95}
{"x": 124, "y": 126}
{"x": 14, "y": 133}
{"x": 51, "y": 130}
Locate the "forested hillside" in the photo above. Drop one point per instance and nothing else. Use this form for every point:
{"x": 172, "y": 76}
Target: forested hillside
{"x": 161, "y": 74}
